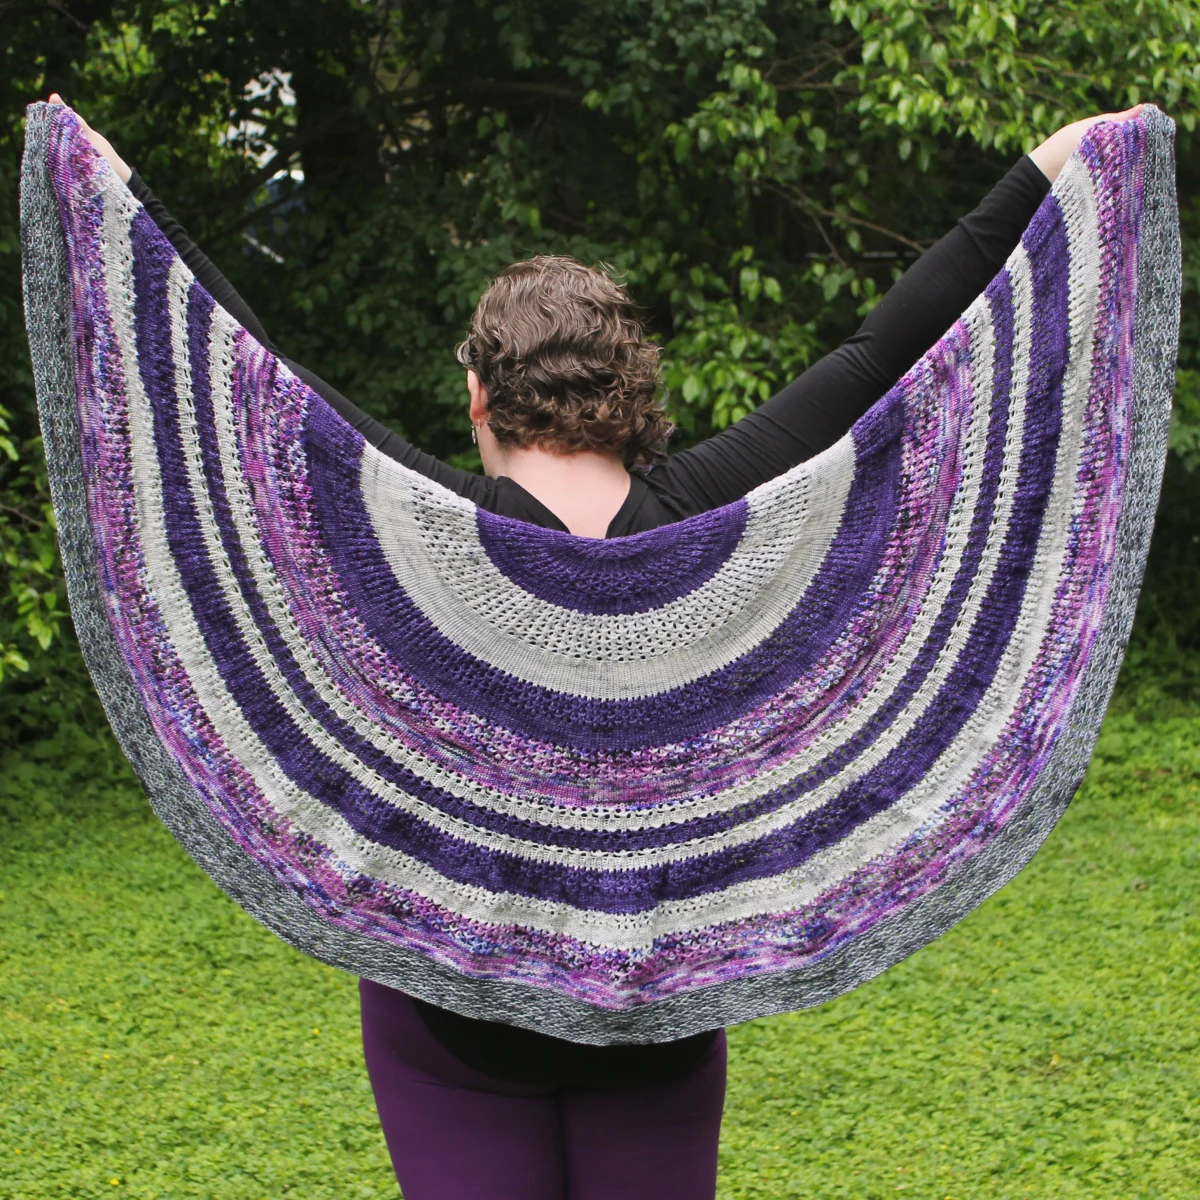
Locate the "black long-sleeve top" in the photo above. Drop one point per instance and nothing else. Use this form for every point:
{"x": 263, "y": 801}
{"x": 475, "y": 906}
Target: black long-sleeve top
{"x": 807, "y": 416}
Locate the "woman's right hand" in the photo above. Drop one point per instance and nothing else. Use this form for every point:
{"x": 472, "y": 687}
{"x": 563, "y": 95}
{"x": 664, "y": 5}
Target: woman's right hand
{"x": 1051, "y": 156}
{"x": 102, "y": 144}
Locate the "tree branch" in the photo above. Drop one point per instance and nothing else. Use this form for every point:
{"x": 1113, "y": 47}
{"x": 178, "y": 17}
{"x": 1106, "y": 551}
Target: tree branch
{"x": 249, "y": 184}
{"x": 805, "y": 202}
{"x": 498, "y": 86}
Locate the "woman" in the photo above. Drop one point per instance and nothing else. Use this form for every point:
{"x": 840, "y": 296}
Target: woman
{"x": 563, "y": 392}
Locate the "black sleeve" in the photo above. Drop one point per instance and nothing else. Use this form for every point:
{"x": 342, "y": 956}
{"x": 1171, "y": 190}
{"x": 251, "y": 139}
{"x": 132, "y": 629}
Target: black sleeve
{"x": 465, "y": 483}
{"x": 819, "y": 407}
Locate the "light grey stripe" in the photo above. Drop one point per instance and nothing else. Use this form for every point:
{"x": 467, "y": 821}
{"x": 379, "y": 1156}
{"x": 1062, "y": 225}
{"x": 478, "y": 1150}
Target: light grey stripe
{"x": 623, "y": 932}
{"x": 290, "y": 801}
{"x": 955, "y": 766}
{"x": 920, "y": 807}
{"x": 882, "y": 833}
{"x": 220, "y": 372}
{"x": 1157, "y": 326}
{"x": 294, "y": 803}
{"x": 47, "y": 288}
{"x": 430, "y": 540}
{"x": 978, "y": 320}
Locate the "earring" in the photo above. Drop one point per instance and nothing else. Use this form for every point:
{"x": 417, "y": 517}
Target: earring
{"x": 474, "y": 434}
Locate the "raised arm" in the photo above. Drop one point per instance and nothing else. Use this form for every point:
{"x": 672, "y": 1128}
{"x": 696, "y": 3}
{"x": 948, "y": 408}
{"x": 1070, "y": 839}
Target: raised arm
{"x": 816, "y": 409}
{"x": 820, "y": 406}
{"x": 465, "y": 483}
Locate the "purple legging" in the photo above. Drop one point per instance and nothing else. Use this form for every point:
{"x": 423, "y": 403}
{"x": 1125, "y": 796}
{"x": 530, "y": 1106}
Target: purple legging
{"x": 457, "y": 1134}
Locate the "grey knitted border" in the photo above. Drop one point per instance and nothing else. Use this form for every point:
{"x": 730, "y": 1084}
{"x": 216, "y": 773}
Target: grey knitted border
{"x": 176, "y": 803}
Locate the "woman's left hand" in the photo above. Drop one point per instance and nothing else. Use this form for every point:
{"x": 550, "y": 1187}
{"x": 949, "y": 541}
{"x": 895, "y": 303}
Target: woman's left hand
{"x": 1051, "y": 156}
{"x": 102, "y": 144}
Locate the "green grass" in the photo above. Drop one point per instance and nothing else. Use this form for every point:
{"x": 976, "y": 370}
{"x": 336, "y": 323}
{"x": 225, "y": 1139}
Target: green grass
{"x": 158, "y": 1043}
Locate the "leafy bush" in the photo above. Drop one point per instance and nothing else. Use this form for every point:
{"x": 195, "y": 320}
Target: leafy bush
{"x": 759, "y": 171}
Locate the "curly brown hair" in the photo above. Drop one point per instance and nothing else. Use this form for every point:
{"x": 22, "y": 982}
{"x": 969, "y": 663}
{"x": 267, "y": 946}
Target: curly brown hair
{"x": 561, "y": 351}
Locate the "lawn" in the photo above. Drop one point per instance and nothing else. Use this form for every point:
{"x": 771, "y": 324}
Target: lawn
{"x": 158, "y": 1043}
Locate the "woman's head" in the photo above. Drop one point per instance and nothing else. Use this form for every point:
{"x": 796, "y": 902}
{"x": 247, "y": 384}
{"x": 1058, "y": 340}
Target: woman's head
{"x": 559, "y": 349}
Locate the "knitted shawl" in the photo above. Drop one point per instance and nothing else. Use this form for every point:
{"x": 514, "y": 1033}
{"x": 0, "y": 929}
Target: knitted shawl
{"x": 622, "y": 790}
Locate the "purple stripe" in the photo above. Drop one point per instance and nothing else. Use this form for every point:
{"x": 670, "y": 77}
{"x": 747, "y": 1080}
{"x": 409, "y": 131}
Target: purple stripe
{"x": 602, "y": 890}
{"x": 929, "y": 656}
{"x": 999, "y": 295}
{"x": 959, "y": 697}
{"x": 199, "y": 313}
{"x": 200, "y": 308}
{"x": 399, "y": 627}
{"x": 885, "y": 884}
{"x": 997, "y": 787}
{"x": 285, "y": 743}
{"x": 300, "y": 761}
{"x": 617, "y": 575}
{"x": 137, "y": 624}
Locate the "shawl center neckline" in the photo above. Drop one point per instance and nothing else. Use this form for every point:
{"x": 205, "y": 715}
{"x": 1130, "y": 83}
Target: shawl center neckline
{"x": 546, "y": 518}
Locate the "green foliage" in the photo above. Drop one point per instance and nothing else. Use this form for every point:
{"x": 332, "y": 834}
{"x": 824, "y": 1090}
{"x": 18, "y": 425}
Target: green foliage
{"x": 759, "y": 173}
{"x": 1045, "y": 1048}
{"x": 1008, "y": 74}
{"x": 1185, "y": 425}
{"x": 1185, "y": 421}
{"x": 35, "y": 602}
{"x": 1161, "y": 667}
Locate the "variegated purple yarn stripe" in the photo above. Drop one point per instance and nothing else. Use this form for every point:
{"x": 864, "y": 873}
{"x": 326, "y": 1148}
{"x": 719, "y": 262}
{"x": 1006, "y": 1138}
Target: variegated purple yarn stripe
{"x": 613, "y": 790}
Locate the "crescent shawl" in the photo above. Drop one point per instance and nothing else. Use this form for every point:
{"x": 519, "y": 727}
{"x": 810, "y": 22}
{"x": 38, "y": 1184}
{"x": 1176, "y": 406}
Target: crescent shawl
{"x": 622, "y": 790}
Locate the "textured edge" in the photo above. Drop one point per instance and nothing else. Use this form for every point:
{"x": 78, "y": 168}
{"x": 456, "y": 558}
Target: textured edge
{"x": 184, "y": 812}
